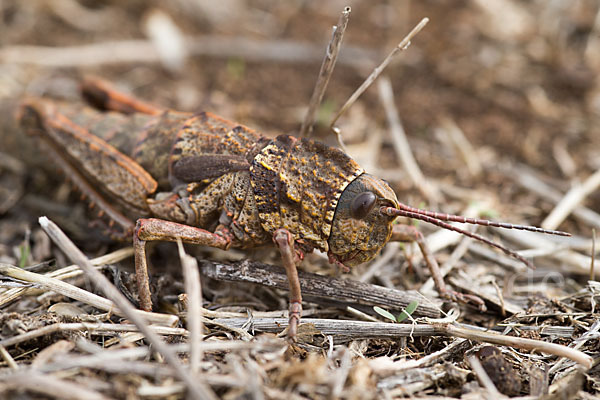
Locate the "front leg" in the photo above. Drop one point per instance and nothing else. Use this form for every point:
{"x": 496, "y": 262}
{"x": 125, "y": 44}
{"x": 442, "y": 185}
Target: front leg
{"x": 148, "y": 229}
{"x": 409, "y": 233}
{"x": 284, "y": 241}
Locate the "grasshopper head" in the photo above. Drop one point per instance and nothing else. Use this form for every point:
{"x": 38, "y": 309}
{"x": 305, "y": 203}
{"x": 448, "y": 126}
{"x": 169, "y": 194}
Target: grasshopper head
{"x": 359, "y": 229}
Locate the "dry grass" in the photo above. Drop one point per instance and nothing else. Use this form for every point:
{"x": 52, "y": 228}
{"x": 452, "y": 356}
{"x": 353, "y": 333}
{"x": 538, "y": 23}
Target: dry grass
{"x": 495, "y": 102}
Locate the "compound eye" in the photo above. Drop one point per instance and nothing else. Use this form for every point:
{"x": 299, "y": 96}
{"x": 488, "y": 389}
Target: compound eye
{"x": 362, "y": 204}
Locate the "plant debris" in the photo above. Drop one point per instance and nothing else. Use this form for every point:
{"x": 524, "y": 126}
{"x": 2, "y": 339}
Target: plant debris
{"x": 497, "y": 105}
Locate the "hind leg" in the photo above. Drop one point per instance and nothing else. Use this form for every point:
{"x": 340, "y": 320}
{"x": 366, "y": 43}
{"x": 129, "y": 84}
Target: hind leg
{"x": 104, "y": 96}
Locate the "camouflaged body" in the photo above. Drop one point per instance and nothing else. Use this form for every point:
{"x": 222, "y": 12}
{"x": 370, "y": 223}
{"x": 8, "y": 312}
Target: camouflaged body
{"x": 297, "y": 184}
{"x": 290, "y": 183}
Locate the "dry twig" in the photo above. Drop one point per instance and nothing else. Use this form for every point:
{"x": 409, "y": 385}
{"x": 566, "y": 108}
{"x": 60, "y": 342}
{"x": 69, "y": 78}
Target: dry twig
{"x": 196, "y": 387}
{"x": 528, "y": 179}
{"x": 70, "y": 271}
{"x": 571, "y": 200}
{"x": 320, "y": 287}
{"x": 351, "y": 330}
{"x": 8, "y": 358}
{"x": 50, "y": 386}
{"x": 143, "y": 51}
{"x": 73, "y": 292}
{"x": 462, "y": 145}
{"x": 327, "y": 66}
{"x": 193, "y": 289}
{"x": 401, "y": 144}
{"x": 92, "y": 327}
{"x": 403, "y": 45}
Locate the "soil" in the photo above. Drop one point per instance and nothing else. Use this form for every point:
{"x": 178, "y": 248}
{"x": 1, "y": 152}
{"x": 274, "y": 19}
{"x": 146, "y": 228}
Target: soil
{"x": 517, "y": 80}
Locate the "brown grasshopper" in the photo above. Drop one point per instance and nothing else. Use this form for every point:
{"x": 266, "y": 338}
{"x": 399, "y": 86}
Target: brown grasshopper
{"x": 209, "y": 181}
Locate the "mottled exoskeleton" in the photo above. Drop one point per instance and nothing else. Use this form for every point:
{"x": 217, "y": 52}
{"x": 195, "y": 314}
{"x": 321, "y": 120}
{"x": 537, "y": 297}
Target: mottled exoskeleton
{"x": 206, "y": 180}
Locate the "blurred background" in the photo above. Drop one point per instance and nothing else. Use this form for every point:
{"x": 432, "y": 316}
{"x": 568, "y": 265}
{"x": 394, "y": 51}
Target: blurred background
{"x": 489, "y": 93}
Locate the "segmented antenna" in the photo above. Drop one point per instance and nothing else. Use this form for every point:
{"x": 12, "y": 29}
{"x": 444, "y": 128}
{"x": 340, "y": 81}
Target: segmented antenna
{"x": 438, "y": 219}
{"x": 391, "y": 211}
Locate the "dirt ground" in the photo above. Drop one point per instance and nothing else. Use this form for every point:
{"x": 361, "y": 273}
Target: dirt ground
{"x": 500, "y": 102}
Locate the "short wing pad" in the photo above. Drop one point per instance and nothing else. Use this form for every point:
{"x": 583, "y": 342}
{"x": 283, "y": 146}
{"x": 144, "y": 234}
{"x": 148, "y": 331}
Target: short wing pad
{"x": 208, "y": 166}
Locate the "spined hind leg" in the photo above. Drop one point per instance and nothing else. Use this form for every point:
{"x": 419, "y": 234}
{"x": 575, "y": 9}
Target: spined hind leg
{"x": 408, "y": 233}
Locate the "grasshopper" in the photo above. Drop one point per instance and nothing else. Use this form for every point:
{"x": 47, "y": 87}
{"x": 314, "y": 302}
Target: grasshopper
{"x": 165, "y": 175}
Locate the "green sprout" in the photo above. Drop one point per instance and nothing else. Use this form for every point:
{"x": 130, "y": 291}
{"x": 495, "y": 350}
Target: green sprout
{"x": 407, "y": 312}
{"x": 236, "y": 68}
{"x": 23, "y": 254}
{"x": 325, "y": 112}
